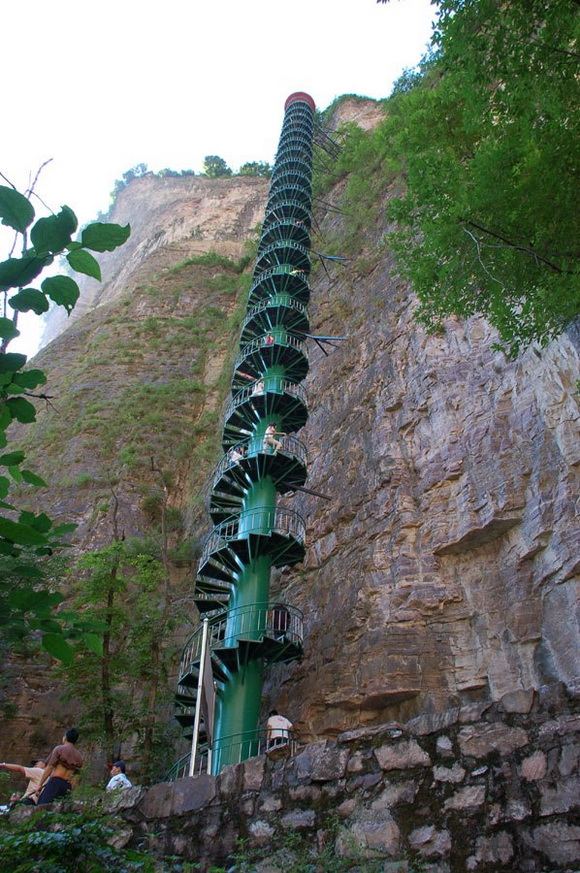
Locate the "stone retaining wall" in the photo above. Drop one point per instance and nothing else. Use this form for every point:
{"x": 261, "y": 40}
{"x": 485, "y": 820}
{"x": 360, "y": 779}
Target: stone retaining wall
{"x": 486, "y": 787}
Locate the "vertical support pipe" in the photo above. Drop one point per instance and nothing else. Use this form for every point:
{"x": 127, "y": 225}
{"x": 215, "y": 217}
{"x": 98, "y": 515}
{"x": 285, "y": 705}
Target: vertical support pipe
{"x": 194, "y": 739}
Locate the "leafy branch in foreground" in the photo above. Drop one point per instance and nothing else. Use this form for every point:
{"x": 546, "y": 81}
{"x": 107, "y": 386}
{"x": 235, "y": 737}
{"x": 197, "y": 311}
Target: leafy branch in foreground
{"x": 26, "y": 538}
{"x": 66, "y": 843}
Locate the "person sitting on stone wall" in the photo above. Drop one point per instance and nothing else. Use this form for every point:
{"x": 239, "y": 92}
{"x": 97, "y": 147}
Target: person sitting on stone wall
{"x": 118, "y": 778}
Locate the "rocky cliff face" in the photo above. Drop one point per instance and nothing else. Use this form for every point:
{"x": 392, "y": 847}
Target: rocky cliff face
{"x": 444, "y": 568}
{"x": 171, "y": 219}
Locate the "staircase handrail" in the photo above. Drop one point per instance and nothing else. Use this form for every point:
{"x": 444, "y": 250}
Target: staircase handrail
{"x": 291, "y": 446}
{"x": 275, "y": 618}
{"x": 272, "y": 384}
{"x": 279, "y": 520}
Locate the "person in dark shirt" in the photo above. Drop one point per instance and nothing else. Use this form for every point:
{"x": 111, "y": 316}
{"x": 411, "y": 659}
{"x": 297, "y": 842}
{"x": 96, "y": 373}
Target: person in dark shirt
{"x": 62, "y": 767}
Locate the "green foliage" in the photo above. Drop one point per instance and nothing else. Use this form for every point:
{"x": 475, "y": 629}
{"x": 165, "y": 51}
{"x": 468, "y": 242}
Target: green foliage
{"x": 26, "y": 539}
{"x": 135, "y": 172}
{"x": 256, "y": 168}
{"x": 120, "y": 688}
{"x": 66, "y": 843}
{"x": 26, "y": 608}
{"x": 166, "y": 173}
{"x": 409, "y": 78}
{"x": 488, "y": 141}
{"x": 210, "y": 259}
{"x": 214, "y": 167}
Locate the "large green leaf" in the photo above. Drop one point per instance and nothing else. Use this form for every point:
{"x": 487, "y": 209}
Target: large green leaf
{"x": 63, "y": 290}
{"x": 8, "y": 548}
{"x": 8, "y": 329}
{"x": 10, "y": 362}
{"x": 12, "y": 458}
{"x": 12, "y": 387}
{"x": 101, "y": 237}
{"x": 39, "y": 522}
{"x": 39, "y": 601}
{"x": 15, "y": 209}
{"x": 57, "y": 646}
{"x": 28, "y": 571}
{"x": 94, "y": 643}
{"x": 17, "y": 272}
{"x": 53, "y": 234}
{"x": 15, "y": 473}
{"x": 62, "y": 529}
{"x": 29, "y": 299}
{"x": 19, "y": 533}
{"x": 21, "y": 409}
{"x": 84, "y": 262}
{"x": 44, "y": 601}
{"x": 30, "y": 378}
{"x": 32, "y": 479}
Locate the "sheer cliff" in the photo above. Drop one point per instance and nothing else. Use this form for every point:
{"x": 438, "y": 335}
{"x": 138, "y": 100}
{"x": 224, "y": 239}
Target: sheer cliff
{"x": 444, "y": 567}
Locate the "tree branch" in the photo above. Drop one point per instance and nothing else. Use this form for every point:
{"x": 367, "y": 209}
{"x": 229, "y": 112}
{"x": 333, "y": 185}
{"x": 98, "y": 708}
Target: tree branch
{"x": 511, "y": 244}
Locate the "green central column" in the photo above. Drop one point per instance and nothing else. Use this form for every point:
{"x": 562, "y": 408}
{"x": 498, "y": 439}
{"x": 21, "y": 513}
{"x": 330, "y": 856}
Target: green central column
{"x": 238, "y": 709}
{"x": 237, "y": 716}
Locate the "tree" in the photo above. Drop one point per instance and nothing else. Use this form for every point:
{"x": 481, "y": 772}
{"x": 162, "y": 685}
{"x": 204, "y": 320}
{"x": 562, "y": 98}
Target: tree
{"x": 135, "y": 172}
{"x": 256, "y": 168}
{"x": 123, "y": 589}
{"x": 123, "y": 689}
{"x": 27, "y": 606}
{"x": 214, "y": 166}
{"x": 489, "y": 147}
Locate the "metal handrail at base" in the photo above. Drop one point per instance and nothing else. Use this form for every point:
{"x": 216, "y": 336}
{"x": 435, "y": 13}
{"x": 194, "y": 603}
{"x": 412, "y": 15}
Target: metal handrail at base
{"x": 233, "y": 750}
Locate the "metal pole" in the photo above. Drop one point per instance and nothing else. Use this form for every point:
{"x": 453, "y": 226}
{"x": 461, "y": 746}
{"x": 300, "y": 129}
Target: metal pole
{"x": 194, "y": 739}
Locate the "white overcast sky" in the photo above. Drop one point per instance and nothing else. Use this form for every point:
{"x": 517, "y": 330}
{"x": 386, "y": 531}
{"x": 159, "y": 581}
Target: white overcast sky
{"x": 100, "y": 87}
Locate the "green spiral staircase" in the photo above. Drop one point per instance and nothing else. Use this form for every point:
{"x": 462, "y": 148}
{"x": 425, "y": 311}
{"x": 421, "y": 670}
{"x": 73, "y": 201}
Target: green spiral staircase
{"x": 252, "y": 534}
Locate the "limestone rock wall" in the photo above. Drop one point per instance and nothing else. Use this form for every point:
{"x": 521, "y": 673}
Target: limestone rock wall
{"x": 171, "y": 219}
{"x": 444, "y": 569}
